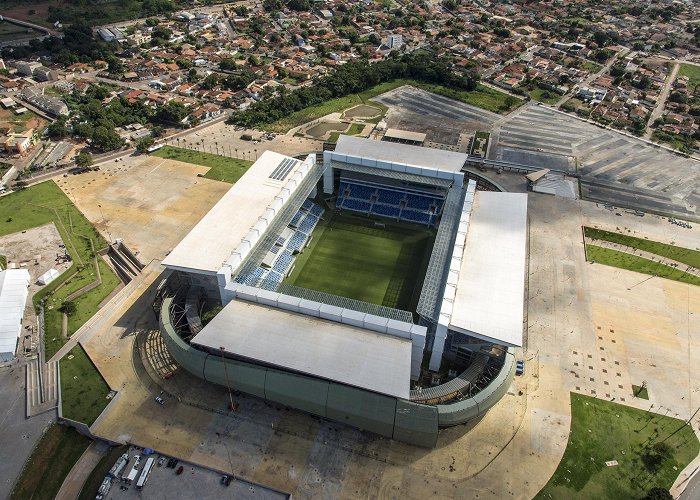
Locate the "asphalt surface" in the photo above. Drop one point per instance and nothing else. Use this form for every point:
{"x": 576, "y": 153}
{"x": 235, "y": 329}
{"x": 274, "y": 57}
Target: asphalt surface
{"x": 614, "y": 168}
{"x": 19, "y": 434}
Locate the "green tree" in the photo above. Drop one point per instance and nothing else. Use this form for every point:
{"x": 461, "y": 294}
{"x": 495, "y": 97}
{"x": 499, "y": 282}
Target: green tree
{"x": 658, "y": 493}
{"x": 227, "y": 64}
{"x": 69, "y": 308}
{"x": 105, "y": 139}
{"x": 171, "y": 114}
{"x": 143, "y": 144}
{"x": 57, "y": 130}
{"x": 84, "y": 160}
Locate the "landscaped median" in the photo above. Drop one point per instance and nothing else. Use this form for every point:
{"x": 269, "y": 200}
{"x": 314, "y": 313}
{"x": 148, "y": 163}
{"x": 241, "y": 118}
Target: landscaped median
{"x": 221, "y": 168}
{"x": 618, "y": 452}
{"x": 652, "y": 257}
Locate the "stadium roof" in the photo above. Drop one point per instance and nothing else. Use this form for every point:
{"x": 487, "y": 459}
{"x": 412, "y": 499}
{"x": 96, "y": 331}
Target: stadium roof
{"x": 489, "y": 300}
{"x": 13, "y": 297}
{"x": 417, "y": 156}
{"x": 210, "y": 243}
{"x": 313, "y": 346}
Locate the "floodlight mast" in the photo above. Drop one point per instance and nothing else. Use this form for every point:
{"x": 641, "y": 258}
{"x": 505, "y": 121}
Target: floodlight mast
{"x": 228, "y": 385}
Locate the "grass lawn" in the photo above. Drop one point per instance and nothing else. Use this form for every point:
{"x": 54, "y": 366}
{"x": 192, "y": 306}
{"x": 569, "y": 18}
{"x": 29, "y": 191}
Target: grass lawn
{"x": 43, "y": 204}
{"x": 591, "y": 66}
{"x": 640, "y": 392}
{"x": 49, "y": 463}
{"x": 3, "y": 262}
{"x": 543, "y": 95}
{"x": 355, "y": 128}
{"x": 93, "y": 482}
{"x": 483, "y": 97}
{"x": 602, "y": 431}
{"x": 83, "y": 390}
{"x": 685, "y": 255}
{"x": 352, "y": 258}
{"x": 692, "y": 72}
{"x": 634, "y": 263}
{"x": 221, "y": 168}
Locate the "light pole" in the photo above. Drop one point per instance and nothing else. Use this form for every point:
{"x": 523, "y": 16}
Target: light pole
{"x": 228, "y": 385}
{"x": 103, "y": 215}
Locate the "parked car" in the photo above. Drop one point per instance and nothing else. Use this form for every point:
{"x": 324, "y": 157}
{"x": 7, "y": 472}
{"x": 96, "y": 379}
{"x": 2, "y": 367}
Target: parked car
{"x": 519, "y": 367}
{"x": 179, "y": 470}
{"x": 160, "y": 400}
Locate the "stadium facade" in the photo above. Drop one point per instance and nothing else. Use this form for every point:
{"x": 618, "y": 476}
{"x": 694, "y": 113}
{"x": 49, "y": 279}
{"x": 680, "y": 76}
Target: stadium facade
{"x": 400, "y": 374}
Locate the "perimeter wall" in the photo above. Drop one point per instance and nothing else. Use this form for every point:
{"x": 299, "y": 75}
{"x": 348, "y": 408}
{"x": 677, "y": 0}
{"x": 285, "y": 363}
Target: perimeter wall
{"x": 398, "y": 419}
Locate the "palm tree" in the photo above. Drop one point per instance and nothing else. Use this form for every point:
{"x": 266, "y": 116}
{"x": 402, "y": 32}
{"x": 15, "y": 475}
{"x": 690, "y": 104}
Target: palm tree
{"x": 217, "y": 147}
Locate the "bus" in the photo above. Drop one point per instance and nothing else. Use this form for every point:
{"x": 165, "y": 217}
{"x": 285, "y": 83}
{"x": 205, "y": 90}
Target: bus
{"x": 144, "y": 473}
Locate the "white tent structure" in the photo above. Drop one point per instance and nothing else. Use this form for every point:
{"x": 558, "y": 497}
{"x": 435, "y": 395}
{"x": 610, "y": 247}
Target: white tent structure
{"x": 13, "y": 297}
{"x": 48, "y": 277}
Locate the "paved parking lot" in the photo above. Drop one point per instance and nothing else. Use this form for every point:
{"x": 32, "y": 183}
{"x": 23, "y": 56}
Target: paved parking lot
{"x": 447, "y": 123}
{"x": 194, "y": 482}
{"x": 614, "y": 167}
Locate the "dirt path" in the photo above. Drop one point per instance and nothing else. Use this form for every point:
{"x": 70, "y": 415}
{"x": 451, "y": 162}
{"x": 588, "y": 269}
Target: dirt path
{"x": 73, "y": 483}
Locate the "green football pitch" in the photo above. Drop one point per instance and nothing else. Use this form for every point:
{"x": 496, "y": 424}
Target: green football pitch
{"x": 355, "y": 258}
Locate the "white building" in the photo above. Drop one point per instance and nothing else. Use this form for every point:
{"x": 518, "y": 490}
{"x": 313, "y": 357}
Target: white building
{"x": 13, "y": 297}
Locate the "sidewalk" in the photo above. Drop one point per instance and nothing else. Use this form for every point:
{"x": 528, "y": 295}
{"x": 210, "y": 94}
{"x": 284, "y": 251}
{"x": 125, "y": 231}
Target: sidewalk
{"x": 73, "y": 483}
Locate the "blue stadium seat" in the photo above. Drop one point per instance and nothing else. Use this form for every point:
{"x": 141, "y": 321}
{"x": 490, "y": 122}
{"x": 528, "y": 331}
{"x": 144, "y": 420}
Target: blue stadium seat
{"x": 308, "y": 224}
{"x": 360, "y": 192}
{"x": 419, "y": 202}
{"x": 297, "y": 217}
{"x": 307, "y": 204}
{"x": 386, "y": 210}
{"x": 317, "y": 210}
{"x": 297, "y": 241}
{"x": 414, "y": 216}
{"x": 356, "y": 205}
{"x": 389, "y": 197}
{"x": 283, "y": 262}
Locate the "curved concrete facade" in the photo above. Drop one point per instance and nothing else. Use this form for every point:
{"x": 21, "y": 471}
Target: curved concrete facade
{"x": 398, "y": 419}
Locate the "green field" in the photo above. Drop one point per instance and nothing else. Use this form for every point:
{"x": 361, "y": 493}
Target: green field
{"x": 351, "y": 257}
{"x": 83, "y": 390}
{"x": 43, "y": 204}
{"x": 685, "y": 255}
{"x": 49, "y": 463}
{"x": 483, "y": 97}
{"x": 692, "y": 72}
{"x": 602, "y": 431}
{"x": 355, "y": 128}
{"x": 221, "y": 168}
{"x": 546, "y": 96}
{"x": 638, "y": 264}
{"x": 591, "y": 66}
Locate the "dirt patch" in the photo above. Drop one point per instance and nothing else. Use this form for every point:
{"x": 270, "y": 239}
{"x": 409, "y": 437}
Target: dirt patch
{"x": 40, "y": 15}
{"x": 35, "y": 250}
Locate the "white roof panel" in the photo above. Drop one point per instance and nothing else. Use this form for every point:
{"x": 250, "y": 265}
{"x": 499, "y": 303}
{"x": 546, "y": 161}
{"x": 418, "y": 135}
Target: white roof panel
{"x": 309, "y": 345}
{"x": 212, "y": 241}
{"x": 490, "y": 295}
{"x": 417, "y": 156}
{"x": 13, "y": 297}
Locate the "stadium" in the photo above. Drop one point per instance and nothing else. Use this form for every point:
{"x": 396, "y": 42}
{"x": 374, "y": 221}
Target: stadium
{"x": 382, "y": 288}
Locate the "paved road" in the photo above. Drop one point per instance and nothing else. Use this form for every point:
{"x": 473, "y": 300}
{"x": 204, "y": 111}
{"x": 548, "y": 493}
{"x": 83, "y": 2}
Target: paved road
{"x": 19, "y": 434}
{"x": 692, "y": 490}
{"x": 661, "y": 101}
{"x": 73, "y": 483}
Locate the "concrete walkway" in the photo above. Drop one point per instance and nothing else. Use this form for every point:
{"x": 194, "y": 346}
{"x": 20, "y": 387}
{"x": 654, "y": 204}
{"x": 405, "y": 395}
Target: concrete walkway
{"x": 73, "y": 483}
{"x": 645, "y": 255}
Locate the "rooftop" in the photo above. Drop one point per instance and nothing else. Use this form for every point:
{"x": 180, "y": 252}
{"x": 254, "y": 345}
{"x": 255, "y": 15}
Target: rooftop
{"x": 13, "y": 297}
{"x": 416, "y": 156}
{"x": 211, "y": 242}
{"x": 489, "y": 300}
{"x": 313, "y": 346}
